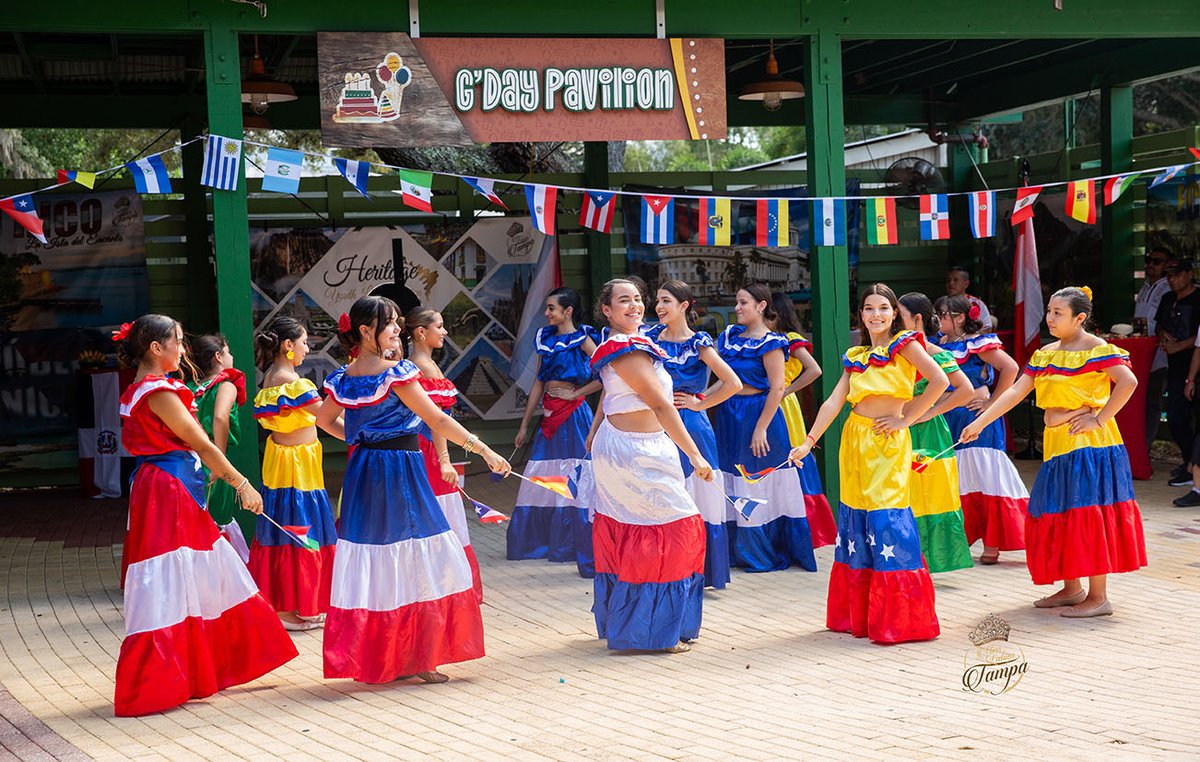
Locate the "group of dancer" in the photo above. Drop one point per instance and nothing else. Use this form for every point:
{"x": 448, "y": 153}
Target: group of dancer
{"x": 666, "y": 501}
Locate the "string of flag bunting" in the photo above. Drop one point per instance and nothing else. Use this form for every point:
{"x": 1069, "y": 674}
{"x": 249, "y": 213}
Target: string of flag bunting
{"x": 221, "y": 170}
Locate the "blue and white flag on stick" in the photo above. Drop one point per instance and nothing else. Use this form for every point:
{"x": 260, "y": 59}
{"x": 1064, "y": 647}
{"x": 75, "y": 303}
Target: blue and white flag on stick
{"x": 486, "y": 187}
{"x": 283, "y": 170}
{"x": 356, "y": 172}
{"x": 150, "y": 175}
{"x": 745, "y": 505}
{"x": 1168, "y": 174}
{"x": 222, "y": 163}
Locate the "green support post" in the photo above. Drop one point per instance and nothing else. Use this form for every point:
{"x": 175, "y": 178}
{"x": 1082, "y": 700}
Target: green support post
{"x": 595, "y": 175}
{"x": 231, "y": 231}
{"x": 201, "y": 317}
{"x": 829, "y": 265}
{"x": 1117, "y": 264}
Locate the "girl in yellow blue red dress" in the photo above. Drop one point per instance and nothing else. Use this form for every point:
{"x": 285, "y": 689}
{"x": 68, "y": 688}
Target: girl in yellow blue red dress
{"x": 295, "y": 580}
{"x": 194, "y": 621}
{"x": 879, "y": 586}
{"x": 1083, "y": 518}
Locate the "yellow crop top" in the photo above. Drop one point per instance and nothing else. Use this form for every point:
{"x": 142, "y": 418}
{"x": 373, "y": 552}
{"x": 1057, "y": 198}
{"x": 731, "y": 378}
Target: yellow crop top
{"x": 792, "y": 367}
{"x": 287, "y": 407}
{"x": 1074, "y": 379}
{"x": 881, "y": 371}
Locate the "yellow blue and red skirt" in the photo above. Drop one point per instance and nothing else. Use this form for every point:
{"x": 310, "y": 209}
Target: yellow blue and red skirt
{"x": 934, "y": 495}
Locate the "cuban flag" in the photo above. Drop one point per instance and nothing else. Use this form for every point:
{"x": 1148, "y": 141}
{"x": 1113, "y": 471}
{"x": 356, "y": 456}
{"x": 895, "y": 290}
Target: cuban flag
{"x": 23, "y": 210}
{"x": 222, "y": 163}
{"x": 486, "y": 187}
{"x": 355, "y": 172}
{"x": 935, "y": 217}
{"x": 150, "y": 175}
{"x": 829, "y": 222}
{"x": 658, "y": 219}
{"x": 1167, "y": 174}
{"x": 597, "y": 210}
{"x": 983, "y": 214}
{"x": 282, "y": 173}
{"x": 541, "y": 200}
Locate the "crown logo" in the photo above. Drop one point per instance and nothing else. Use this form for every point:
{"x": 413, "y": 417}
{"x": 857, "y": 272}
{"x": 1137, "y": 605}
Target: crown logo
{"x": 991, "y": 628}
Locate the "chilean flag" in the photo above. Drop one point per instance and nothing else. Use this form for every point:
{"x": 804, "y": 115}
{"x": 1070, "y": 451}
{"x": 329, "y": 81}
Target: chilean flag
{"x": 22, "y": 209}
{"x": 597, "y": 210}
{"x": 983, "y": 214}
{"x": 1027, "y": 293}
{"x": 658, "y": 219}
{"x": 541, "y": 206}
{"x": 935, "y": 217}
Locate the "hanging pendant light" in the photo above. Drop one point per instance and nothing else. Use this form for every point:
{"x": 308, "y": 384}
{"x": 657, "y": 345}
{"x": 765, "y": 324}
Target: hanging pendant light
{"x": 259, "y": 90}
{"x": 772, "y": 90}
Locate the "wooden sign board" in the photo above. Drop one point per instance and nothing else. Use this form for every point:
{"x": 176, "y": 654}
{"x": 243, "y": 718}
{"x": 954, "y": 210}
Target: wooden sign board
{"x": 386, "y": 89}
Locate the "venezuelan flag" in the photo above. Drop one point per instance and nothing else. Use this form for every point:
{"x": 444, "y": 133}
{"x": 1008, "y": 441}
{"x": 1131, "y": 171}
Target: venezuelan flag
{"x": 772, "y": 222}
{"x": 715, "y": 222}
{"x": 881, "y": 221}
{"x": 1081, "y": 201}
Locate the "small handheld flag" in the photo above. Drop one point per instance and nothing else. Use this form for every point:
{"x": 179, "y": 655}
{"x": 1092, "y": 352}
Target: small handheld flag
{"x": 150, "y": 175}
{"x": 86, "y": 179}
{"x": 299, "y": 535}
{"x": 560, "y": 485}
{"x": 921, "y": 461}
{"x": 758, "y": 476}
{"x": 486, "y": 513}
{"x": 745, "y": 505}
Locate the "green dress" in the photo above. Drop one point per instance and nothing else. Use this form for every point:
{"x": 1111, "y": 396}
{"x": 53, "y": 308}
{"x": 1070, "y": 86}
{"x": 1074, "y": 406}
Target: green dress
{"x": 222, "y": 500}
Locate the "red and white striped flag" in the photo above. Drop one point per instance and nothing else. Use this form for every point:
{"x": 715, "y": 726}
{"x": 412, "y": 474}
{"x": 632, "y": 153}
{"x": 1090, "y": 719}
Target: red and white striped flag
{"x": 1027, "y": 290}
{"x": 597, "y": 210}
{"x": 540, "y": 199}
{"x": 1023, "y": 210}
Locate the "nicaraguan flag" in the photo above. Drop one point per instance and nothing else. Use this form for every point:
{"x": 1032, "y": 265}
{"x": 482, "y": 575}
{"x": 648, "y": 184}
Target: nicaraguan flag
{"x": 486, "y": 187}
{"x": 745, "y": 505}
{"x": 282, "y": 173}
{"x": 983, "y": 214}
{"x": 541, "y": 200}
{"x": 829, "y": 222}
{"x": 658, "y": 219}
{"x": 355, "y": 172}
{"x": 222, "y": 163}
{"x": 150, "y": 175}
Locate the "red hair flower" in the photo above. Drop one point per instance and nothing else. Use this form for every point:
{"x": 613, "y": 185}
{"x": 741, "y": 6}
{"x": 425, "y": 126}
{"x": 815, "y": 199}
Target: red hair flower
{"x": 344, "y": 323}
{"x": 123, "y": 332}
{"x": 973, "y": 313}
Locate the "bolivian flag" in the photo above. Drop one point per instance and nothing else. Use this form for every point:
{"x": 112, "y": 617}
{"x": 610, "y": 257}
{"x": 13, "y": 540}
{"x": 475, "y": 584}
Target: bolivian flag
{"x": 1081, "y": 201}
{"x": 881, "y": 221}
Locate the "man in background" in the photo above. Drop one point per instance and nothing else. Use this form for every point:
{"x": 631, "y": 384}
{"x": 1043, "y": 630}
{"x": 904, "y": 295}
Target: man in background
{"x": 958, "y": 280}
{"x": 1146, "y": 307}
{"x": 1176, "y": 323}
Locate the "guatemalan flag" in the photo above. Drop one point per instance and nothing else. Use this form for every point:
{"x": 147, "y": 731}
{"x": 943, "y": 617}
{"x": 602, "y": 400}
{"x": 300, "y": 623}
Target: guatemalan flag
{"x": 935, "y": 217}
{"x": 541, "y": 200}
{"x": 597, "y": 210}
{"x": 355, "y": 172}
{"x": 486, "y": 187}
{"x": 283, "y": 170}
{"x": 222, "y": 163}
{"x": 828, "y": 222}
{"x": 983, "y": 214}
{"x": 150, "y": 175}
{"x": 658, "y": 219}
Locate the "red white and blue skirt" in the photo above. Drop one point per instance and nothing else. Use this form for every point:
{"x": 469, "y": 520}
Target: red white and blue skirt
{"x": 879, "y": 587}
{"x": 777, "y": 534}
{"x": 545, "y": 524}
{"x": 195, "y": 623}
{"x": 453, "y": 509}
{"x": 402, "y": 600}
{"x": 293, "y": 578}
{"x": 708, "y": 498}
{"x": 649, "y": 540}
{"x": 994, "y": 499}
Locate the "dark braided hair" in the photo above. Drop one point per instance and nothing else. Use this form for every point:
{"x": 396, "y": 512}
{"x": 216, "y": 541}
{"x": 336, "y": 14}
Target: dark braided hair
{"x": 268, "y": 343}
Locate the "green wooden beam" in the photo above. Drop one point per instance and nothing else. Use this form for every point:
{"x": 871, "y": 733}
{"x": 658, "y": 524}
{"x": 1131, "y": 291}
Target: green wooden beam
{"x": 201, "y": 317}
{"x": 1116, "y": 224}
{"x": 599, "y": 245}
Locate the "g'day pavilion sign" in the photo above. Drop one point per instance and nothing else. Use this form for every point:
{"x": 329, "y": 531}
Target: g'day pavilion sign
{"x": 387, "y": 89}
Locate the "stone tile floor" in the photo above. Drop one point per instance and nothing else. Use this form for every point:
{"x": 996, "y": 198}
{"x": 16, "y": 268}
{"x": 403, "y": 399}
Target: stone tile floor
{"x": 765, "y": 681}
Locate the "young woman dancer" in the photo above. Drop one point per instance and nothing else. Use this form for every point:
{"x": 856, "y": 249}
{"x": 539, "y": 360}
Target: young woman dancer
{"x": 689, "y": 357}
{"x": 295, "y": 580}
{"x": 994, "y": 498}
{"x": 1083, "y": 518}
{"x": 194, "y": 621}
{"x": 649, "y": 537}
{"x": 752, "y": 433}
{"x": 545, "y": 524}
{"x": 879, "y": 587}
{"x": 934, "y": 486}
{"x": 403, "y": 602}
{"x": 219, "y": 391}
{"x": 427, "y": 332}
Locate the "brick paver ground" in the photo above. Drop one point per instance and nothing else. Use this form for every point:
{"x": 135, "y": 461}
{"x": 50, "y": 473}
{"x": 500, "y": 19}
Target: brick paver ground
{"x": 765, "y": 681}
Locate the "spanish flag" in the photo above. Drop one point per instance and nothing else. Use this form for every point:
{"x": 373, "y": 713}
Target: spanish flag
{"x": 1081, "y": 201}
{"x": 881, "y": 221}
{"x": 715, "y": 222}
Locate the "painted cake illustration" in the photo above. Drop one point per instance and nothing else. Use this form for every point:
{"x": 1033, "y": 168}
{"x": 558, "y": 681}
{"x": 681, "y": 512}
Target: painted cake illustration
{"x": 358, "y": 101}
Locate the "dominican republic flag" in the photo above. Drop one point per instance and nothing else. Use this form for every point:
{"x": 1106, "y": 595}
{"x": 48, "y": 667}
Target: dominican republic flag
{"x": 104, "y": 464}
{"x": 541, "y": 201}
{"x": 597, "y": 210}
{"x": 22, "y": 209}
{"x": 714, "y": 223}
{"x": 828, "y": 222}
{"x": 222, "y": 163}
{"x": 935, "y": 217}
{"x": 416, "y": 189}
{"x": 1081, "y": 201}
{"x": 86, "y": 179}
{"x": 1027, "y": 293}
{"x": 150, "y": 175}
{"x": 658, "y": 219}
{"x": 1115, "y": 186}
{"x": 486, "y": 187}
{"x": 355, "y": 172}
{"x": 1167, "y": 174}
{"x": 1023, "y": 209}
{"x": 983, "y": 214}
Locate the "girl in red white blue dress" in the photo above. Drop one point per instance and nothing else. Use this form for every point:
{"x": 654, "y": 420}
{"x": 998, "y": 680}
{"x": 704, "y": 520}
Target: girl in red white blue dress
{"x": 402, "y": 602}
{"x": 194, "y": 621}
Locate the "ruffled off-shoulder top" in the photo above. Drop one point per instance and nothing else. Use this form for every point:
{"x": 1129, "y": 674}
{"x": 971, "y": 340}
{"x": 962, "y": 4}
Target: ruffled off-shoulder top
{"x": 945, "y": 361}
{"x": 1074, "y": 378}
{"x": 373, "y": 412}
{"x": 745, "y": 355}
{"x": 287, "y": 407}
{"x": 563, "y": 358}
{"x": 882, "y": 371}
{"x": 793, "y": 367}
{"x": 206, "y": 401}
{"x": 143, "y": 432}
{"x": 619, "y": 397}
{"x": 688, "y": 372}
{"x": 967, "y": 352}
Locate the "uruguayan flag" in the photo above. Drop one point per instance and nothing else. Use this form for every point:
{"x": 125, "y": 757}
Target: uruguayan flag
{"x": 150, "y": 175}
{"x": 282, "y": 172}
{"x": 222, "y": 163}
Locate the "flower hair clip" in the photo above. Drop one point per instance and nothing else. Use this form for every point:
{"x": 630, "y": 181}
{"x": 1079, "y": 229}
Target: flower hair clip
{"x": 344, "y": 323}
{"x": 1086, "y": 292}
{"x": 973, "y": 313}
{"x": 122, "y": 333}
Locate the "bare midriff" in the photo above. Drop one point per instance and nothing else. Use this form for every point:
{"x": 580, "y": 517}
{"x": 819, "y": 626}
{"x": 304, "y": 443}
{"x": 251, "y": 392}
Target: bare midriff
{"x": 306, "y": 435}
{"x": 879, "y": 406}
{"x": 641, "y": 421}
{"x": 561, "y": 385}
{"x": 1057, "y": 416}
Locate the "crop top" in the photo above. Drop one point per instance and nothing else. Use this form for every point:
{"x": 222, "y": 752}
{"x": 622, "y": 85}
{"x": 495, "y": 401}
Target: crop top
{"x": 562, "y": 354}
{"x": 1073, "y": 379}
{"x": 882, "y": 371}
{"x": 619, "y": 397}
{"x": 373, "y": 412}
{"x": 967, "y": 352}
{"x": 745, "y": 356}
{"x": 688, "y": 372}
{"x": 792, "y": 368}
{"x": 143, "y": 432}
{"x": 206, "y": 401}
{"x": 287, "y": 407}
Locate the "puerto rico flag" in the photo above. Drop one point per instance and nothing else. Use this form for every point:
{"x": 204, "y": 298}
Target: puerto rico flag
{"x": 541, "y": 200}
{"x": 597, "y": 210}
{"x": 486, "y": 187}
{"x": 828, "y": 222}
{"x": 658, "y": 219}
{"x": 714, "y": 222}
{"x": 935, "y": 217}
{"x": 983, "y": 214}
{"x": 22, "y": 209}
{"x": 1023, "y": 209}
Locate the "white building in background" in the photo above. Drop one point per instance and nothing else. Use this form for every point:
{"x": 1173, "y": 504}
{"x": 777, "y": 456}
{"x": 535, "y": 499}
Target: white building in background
{"x": 710, "y": 270}
{"x": 873, "y": 153}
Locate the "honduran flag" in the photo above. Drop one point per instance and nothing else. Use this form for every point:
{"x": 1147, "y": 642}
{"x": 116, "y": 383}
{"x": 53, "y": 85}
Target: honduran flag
{"x": 1023, "y": 209}
{"x": 1081, "y": 201}
{"x": 658, "y": 219}
{"x": 935, "y": 217}
{"x": 983, "y": 214}
{"x": 541, "y": 200}
{"x": 24, "y": 211}
{"x": 1115, "y": 186}
{"x": 828, "y": 222}
{"x": 597, "y": 210}
{"x": 714, "y": 223}
{"x": 150, "y": 175}
{"x": 356, "y": 173}
{"x": 486, "y": 187}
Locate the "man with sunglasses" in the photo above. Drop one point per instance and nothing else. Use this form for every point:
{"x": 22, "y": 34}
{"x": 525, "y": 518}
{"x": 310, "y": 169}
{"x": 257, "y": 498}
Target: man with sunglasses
{"x": 1145, "y": 307}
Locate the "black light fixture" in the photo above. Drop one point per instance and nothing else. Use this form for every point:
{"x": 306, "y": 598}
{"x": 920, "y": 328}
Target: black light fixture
{"x": 259, "y": 90}
{"x": 773, "y": 90}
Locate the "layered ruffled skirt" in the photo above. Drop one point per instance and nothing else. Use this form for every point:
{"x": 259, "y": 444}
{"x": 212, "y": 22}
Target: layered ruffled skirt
{"x": 453, "y": 508}
{"x": 820, "y": 517}
{"x": 936, "y": 505}
{"x": 994, "y": 499}
{"x": 708, "y": 498}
